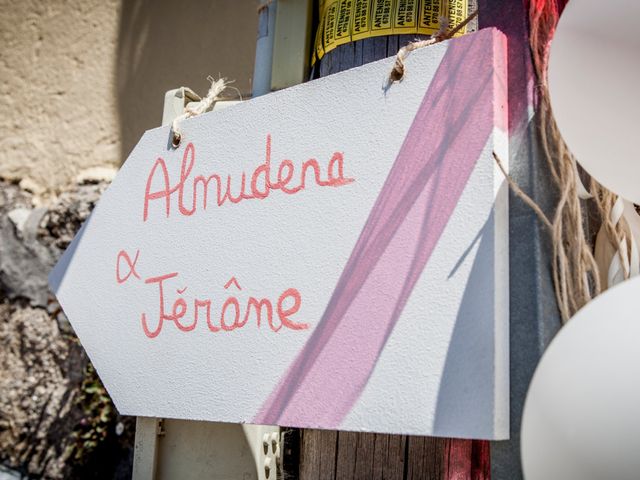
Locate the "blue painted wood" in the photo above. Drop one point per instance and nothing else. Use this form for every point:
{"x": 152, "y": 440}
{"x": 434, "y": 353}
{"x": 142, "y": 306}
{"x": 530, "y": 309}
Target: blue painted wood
{"x": 534, "y": 316}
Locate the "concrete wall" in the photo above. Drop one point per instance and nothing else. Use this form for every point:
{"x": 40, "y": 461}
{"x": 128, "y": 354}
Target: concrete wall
{"x": 81, "y": 80}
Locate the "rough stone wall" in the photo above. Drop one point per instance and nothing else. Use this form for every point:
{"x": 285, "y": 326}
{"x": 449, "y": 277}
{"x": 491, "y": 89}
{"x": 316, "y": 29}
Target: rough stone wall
{"x": 56, "y": 419}
{"x": 58, "y": 117}
{"x": 80, "y": 81}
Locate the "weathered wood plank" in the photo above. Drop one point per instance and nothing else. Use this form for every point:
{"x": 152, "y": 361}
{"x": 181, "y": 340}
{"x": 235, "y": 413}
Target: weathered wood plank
{"x": 425, "y": 458}
{"x": 318, "y": 454}
{"x": 363, "y": 51}
{"x": 355, "y": 455}
{"x": 370, "y": 456}
{"x": 390, "y": 456}
{"x": 481, "y": 460}
{"x": 373, "y": 49}
{"x": 457, "y": 459}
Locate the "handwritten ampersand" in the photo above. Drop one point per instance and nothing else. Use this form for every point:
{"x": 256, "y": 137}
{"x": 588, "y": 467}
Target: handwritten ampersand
{"x": 122, "y": 255}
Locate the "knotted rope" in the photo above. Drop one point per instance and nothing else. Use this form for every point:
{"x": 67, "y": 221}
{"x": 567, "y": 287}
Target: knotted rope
{"x": 442, "y": 34}
{"x": 576, "y": 275}
{"x": 575, "y": 272}
{"x": 197, "y": 108}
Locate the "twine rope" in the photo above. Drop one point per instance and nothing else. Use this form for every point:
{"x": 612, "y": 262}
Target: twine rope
{"x": 522, "y": 195}
{"x": 575, "y": 272}
{"x": 611, "y": 208}
{"x": 443, "y": 33}
{"x": 197, "y": 108}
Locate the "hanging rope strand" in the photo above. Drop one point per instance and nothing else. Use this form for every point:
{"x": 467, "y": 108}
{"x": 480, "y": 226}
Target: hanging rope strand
{"x": 575, "y": 272}
{"x": 198, "y": 108}
{"x": 442, "y": 34}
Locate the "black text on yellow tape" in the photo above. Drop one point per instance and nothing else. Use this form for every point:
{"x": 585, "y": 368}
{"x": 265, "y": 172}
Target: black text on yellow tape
{"x": 343, "y": 21}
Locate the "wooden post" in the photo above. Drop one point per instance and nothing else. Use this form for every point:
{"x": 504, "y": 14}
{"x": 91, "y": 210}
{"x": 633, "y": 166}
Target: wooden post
{"x": 145, "y": 452}
{"x": 533, "y": 311}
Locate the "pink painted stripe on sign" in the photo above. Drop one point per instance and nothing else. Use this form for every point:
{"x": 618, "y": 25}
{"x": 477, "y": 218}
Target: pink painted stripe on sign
{"x": 452, "y": 126}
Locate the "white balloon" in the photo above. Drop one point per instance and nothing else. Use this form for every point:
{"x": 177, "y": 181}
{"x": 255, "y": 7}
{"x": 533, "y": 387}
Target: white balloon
{"x": 594, "y": 73}
{"x": 581, "y": 417}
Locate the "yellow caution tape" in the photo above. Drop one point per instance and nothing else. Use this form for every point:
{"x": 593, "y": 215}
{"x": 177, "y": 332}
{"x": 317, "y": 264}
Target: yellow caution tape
{"x": 344, "y": 21}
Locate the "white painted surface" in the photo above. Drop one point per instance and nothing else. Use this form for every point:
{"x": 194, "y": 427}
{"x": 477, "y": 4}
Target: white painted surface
{"x": 593, "y": 82}
{"x": 581, "y": 420}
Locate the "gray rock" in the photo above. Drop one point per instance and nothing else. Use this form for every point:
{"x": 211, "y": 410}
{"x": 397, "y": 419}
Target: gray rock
{"x": 8, "y": 474}
{"x": 43, "y": 371}
{"x": 24, "y": 261}
{"x": 32, "y": 239}
{"x": 42, "y": 365}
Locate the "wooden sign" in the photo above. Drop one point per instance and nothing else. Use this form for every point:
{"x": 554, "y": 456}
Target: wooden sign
{"x": 333, "y": 255}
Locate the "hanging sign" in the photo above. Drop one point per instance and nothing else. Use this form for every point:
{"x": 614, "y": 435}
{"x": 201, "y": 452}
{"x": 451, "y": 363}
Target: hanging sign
{"x": 333, "y": 255}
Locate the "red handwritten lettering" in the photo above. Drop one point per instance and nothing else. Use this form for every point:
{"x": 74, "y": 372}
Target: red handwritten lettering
{"x": 165, "y": 193}
{"x": 258, "y": 305}
{"x": 131, "y": 263}
{"x": 230, "y": 317}
{"x": 236, "y": 307}
{"x": 232, "y": 280}
{"x": 178, "y": 310}
{"x": 257, "y": 186}
{"x": 285, "y": 314}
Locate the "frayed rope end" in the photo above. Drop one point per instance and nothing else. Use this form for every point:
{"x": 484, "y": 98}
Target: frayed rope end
{"x": 198, "y": 108}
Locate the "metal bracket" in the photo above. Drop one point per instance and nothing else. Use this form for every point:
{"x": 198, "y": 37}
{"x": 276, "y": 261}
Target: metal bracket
{"x": 174, "y": 102}
{"x": 148, "y": 430}
{"x": 177, "y": 99}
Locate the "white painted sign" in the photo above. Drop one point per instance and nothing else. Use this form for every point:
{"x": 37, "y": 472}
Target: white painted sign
{"x": 333, "y": 255}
